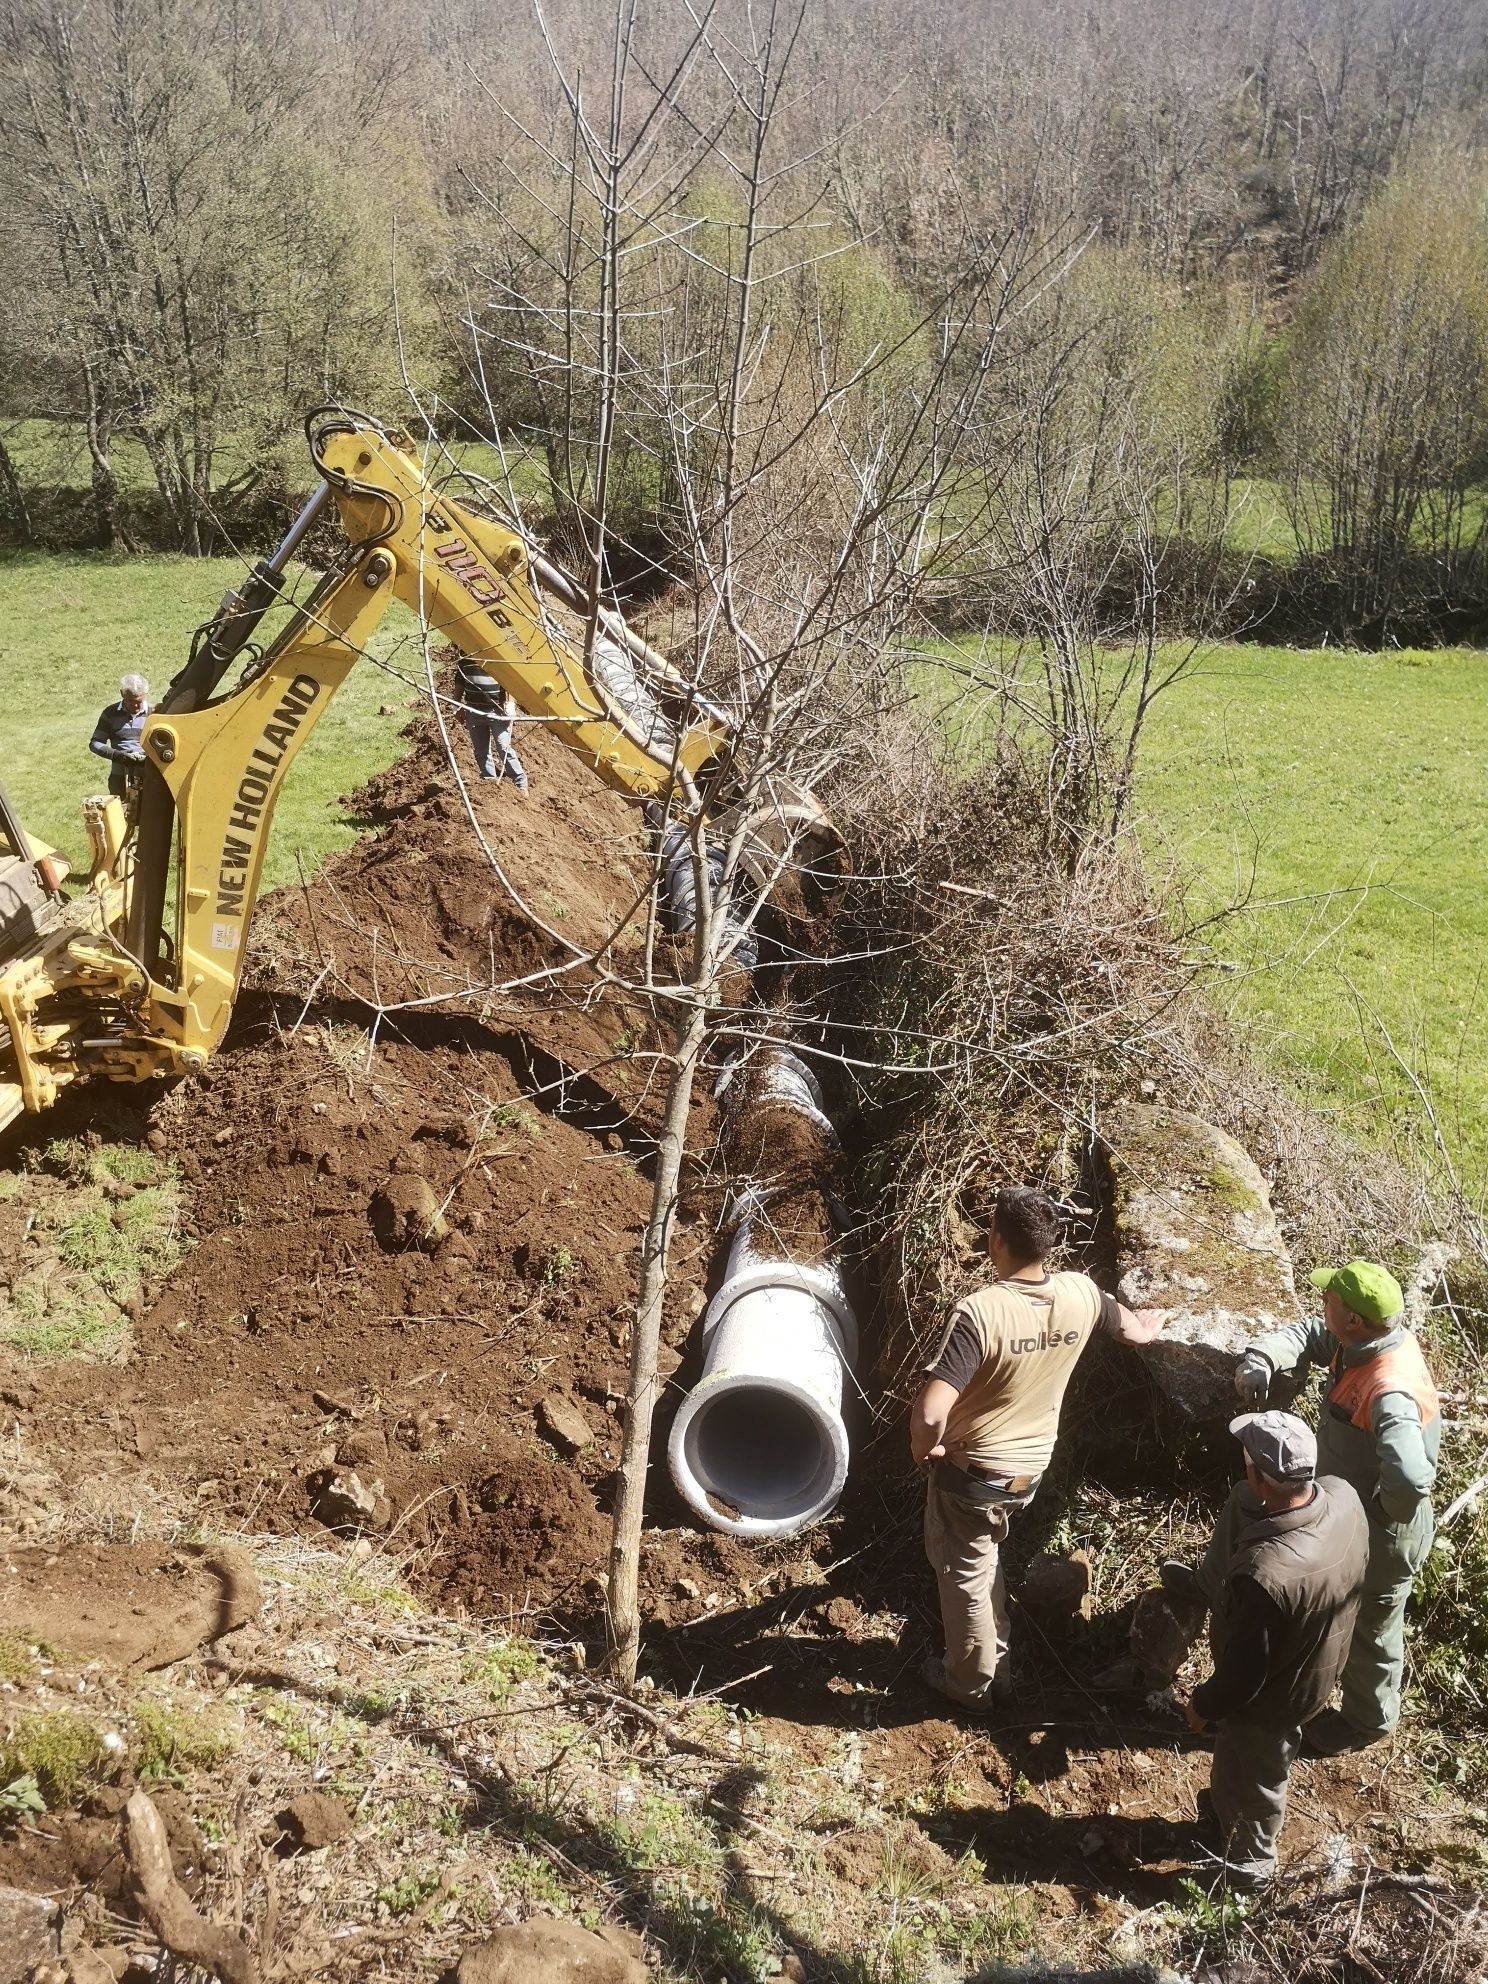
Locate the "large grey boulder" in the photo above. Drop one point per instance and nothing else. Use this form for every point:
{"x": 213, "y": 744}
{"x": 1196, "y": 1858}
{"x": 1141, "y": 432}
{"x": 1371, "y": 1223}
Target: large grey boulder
{"x": 1195, "y": 1234}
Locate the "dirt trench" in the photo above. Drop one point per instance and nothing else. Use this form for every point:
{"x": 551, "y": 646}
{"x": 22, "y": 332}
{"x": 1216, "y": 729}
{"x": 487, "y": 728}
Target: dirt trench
{"x": 469, "y": 1376}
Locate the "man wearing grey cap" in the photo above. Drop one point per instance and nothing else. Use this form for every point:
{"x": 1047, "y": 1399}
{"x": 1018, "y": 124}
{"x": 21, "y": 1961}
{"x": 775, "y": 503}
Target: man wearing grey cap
{"x": 1379, "y": 1427}
{"x": 1282, "y": 1577}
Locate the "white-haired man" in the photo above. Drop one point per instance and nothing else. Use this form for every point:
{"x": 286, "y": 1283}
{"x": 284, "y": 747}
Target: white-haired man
{"x": 116, "y": 735}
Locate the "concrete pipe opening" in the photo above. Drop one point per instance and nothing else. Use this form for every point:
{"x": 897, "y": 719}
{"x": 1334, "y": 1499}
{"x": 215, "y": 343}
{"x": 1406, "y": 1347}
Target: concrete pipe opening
{"x": 759, "y": 1447}
{"x": 758, "y": 1457}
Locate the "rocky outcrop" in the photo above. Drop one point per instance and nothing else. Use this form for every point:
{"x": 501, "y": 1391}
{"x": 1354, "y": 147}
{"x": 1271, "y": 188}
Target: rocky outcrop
{"x": 1195, "y": 1235}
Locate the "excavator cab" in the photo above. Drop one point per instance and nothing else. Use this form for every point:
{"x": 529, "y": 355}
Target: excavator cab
{"x": 31, "y": 878}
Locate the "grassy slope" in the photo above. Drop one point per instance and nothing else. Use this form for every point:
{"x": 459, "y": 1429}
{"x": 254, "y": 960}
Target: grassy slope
{"x": 70, "y": 625}
{"x": 1357, "y": 774}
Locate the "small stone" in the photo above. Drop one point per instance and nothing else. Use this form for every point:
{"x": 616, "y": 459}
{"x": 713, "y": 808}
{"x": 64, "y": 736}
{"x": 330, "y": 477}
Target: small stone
{"x": 224, "y": 1135}
{"x": 1057, "y": 1589}
{"x": 564, "y": 1424}
{"x": 30, "y": 1933}
{"x": 688, "y": 1588}
{"x": 312, "y": 1820}
{"x": 387, "y": 709}
{"x": 342, "y": 1500}
{"x": 156, "y": 1140}
{"x": 1163, "y": 1628}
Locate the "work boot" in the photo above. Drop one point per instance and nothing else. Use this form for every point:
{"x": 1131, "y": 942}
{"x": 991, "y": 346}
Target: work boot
{"x": 1181, "y": 1581}
{"x": 997, "y": 1694}
{"x": 1331, "y": 1735}
{"x": 1249, "y": 1876}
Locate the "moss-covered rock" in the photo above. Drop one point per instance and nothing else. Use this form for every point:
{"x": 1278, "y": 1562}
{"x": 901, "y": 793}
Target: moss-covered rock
{"x": 1195, "y": 1235}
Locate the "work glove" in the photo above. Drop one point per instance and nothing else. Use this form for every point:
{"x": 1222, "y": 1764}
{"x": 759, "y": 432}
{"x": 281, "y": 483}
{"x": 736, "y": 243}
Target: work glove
{"x": 1252, "y": 1380}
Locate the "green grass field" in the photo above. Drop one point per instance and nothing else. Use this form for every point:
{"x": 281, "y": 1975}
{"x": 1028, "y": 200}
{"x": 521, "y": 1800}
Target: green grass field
{"x": 54, "y": 454}
{"x": 71, "y": 625}
{"x": 1340, "y": 797}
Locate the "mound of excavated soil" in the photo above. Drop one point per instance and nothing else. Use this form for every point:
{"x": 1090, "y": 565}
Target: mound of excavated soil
{"x": 415, "y": 1229}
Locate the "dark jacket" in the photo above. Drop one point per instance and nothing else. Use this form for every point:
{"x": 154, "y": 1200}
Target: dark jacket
{"x": 117, "y": 733}
{"x": 1310, "y": 1564}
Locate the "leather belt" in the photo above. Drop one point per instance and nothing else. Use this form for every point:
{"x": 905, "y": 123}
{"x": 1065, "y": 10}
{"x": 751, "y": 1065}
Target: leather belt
{"x": 1010, "y": 1484}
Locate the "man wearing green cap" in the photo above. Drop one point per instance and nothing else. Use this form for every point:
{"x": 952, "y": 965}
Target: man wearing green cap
{"x": 1379, "y": 1428}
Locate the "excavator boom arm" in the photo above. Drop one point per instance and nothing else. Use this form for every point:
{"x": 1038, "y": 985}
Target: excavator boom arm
{"x": 150, "y": 990}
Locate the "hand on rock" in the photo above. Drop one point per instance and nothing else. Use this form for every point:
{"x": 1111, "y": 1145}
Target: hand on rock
{"x": 1252, "y": 1381}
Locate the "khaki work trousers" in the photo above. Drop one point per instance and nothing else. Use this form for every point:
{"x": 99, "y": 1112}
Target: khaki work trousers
{"x": 962, "y": 1539}
{"x": 1248, "y": 1784}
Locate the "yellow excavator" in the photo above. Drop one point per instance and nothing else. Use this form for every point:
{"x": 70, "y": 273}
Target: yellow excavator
{"x": 135, "y": 976}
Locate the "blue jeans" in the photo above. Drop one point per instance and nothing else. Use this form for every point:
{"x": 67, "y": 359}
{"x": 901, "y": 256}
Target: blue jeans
{"x": 495, "y": 754}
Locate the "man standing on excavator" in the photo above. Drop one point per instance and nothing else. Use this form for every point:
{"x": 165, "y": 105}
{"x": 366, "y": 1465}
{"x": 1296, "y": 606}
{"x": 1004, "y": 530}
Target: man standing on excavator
{"x": 116, "y": 735}
{"x": 488, "y": 714}
{"x": 986, "y": 1423}
{"x": 1380, "y": 1429}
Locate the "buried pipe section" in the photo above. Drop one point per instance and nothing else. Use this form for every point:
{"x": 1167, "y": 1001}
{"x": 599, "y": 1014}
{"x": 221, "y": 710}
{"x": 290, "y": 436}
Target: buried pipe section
{"x": 759, "y": 1447}
{"x": 679, "y": 885}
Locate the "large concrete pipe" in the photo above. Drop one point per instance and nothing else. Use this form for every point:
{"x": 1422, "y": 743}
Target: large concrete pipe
{"x": 759, "y": 1447}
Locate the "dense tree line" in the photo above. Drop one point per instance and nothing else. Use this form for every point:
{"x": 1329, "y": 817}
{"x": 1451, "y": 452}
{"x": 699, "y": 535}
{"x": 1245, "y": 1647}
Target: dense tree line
{"x": 1220, "y": 244}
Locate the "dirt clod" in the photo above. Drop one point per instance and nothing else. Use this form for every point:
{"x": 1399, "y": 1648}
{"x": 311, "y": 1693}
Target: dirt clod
{"x": 554, "y": 1953}
{"x": 312, "y": 1820}
{"x": 405, "y": 1213}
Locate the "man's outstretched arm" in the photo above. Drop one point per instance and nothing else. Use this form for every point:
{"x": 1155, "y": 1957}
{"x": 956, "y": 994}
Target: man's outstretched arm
{"x": 1131, "y": 1326}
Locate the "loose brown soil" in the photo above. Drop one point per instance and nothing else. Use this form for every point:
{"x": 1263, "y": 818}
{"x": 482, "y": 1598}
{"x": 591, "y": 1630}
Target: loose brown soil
{"x": 308, "y": 1333}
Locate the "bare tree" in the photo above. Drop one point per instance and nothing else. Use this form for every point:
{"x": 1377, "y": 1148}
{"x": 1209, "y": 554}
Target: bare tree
{"x": 693, "y": 304}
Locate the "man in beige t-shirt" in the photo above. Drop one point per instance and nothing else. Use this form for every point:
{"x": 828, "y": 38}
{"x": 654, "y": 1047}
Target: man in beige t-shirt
{"x": 986, "y": 1423}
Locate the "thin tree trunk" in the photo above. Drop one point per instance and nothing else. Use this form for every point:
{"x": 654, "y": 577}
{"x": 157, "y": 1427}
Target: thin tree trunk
{"x": 15, "y": 501}
{"x": 640, "y": 1406}
{"x": 99, "y": 427}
